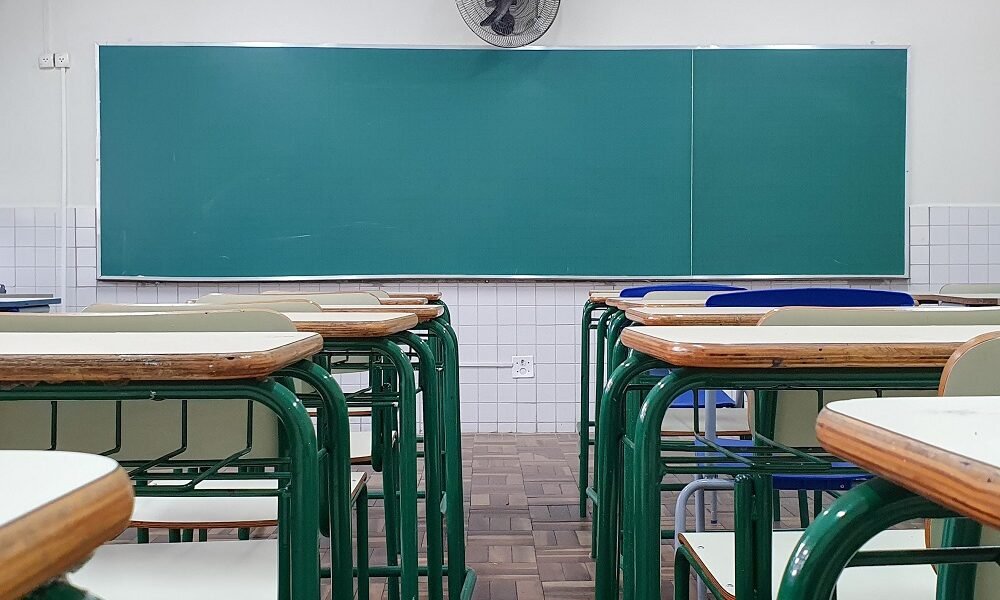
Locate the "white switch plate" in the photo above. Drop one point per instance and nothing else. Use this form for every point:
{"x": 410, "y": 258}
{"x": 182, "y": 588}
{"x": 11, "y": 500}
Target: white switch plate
{"x": 523, "y": 367}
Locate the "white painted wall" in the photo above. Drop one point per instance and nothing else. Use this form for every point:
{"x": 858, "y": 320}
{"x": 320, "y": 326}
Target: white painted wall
{"x": 955, "y": 73}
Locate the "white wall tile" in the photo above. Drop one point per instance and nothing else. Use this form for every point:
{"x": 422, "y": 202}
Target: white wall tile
{"x": 958, "y": 255}
{"x": 958, "y": 215}
{"x": 979, "y": 234}
{"x": 939, "y": 254}
{"x": 24, "y": 217}
{"x": 978, "y": 215}
{"x": 979, "y": 254}
{"x": 957, "y": 234}
{"x": 939, "y": 215}
{"x": 45, "y": 236}
{"x": 939, "y": 234}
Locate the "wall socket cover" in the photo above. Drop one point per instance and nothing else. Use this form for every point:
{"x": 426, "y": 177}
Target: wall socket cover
{"x": 522, "y": 367}
{"x": 46, "y": 61}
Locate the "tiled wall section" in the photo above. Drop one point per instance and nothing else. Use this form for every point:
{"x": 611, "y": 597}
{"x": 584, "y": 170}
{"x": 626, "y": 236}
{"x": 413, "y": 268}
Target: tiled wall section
{"x": 494, "y": 320}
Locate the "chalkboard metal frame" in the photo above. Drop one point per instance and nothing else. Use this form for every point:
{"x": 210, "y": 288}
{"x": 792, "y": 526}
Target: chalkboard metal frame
{"x": 487, "y": 278}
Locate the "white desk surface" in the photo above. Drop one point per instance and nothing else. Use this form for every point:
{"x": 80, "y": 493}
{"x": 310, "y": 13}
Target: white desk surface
{"x": 943, "y": 448}
{"x": 63, "y": 357}
{"x": 767, "y": 347}
{"x": 125, "y": 344}
{"x": 36, "y": 478}
{"x": 55, "y": 509}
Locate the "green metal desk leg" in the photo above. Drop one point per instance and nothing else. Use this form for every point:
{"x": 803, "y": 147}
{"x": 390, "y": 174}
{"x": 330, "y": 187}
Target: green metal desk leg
{"x": 407, "y": 454}
{"x": 303, "y": 503}
{"x": 600, "y": 358}
{"x": 588, "y": 312}
{"x": 446, "y": 316}
{"x": 458, "y": 576}
{"x": 599, "y": 381}
{"x": 642, "y": 497}
{"x": 609, "y": 462}
{"x": 338, "y": 469}
{"x": 752, "y": 512}
{"x": 682, "y": 575}
{"x": 363, "y": 578}
{"x": 432, "y": 460}
{"x": 841, "y": 530}
{"x": 615, "y": 355}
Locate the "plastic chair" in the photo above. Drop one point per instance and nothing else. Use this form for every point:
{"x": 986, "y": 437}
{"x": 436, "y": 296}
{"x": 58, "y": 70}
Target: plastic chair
{"x": 828, "y": 297}
{"x": 641, "y": 291}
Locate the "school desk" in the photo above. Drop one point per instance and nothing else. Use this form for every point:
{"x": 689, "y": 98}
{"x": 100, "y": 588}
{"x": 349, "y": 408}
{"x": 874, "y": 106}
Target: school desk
{"x": 736, "y": 357}
{"x": 55, "y": 509}
{"x": 139, "y": 366}
{"x": 377, "y": 333}
{"x": 942, "y": 449}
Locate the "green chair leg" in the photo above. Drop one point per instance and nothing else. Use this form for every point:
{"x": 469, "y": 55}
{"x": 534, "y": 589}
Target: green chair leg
{"x": 803, "y": 508}
{"x": 362, "y": 552}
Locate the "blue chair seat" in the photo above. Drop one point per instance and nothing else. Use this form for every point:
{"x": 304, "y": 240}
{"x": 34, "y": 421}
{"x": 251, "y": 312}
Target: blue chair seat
{"x": 824, "y": 297}
{"x": 800, "y": 481}
{"x": 686, "y": 400}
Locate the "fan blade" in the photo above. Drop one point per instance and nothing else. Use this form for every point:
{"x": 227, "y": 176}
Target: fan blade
{"x": 504, "y": 25}
{"x": 498, "y": 11}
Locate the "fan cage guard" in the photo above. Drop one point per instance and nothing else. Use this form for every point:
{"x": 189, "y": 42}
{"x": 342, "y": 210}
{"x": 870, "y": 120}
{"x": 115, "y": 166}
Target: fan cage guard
{"x": 532, "y": 18}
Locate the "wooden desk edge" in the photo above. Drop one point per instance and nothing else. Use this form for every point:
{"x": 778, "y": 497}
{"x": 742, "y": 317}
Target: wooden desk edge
{"x": 960, "y": 300}
{"x": 373, "y": 329}
{"x": 770, "y": 356}
{"x": 56, "y": 537}
{"x": 921, "y": 468}
{"x": 639, "y": 315}
{"x": 428, "y": 296}
{"x": 402, "y": 300}
{"x": 108, "y": 368}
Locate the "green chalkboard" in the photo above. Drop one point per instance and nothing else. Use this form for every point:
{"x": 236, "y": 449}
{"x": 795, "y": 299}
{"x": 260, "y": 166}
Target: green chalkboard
{"x": 804, "y": 152}
{"x": 260, "y": 162}
{"x": 255, "y": 162}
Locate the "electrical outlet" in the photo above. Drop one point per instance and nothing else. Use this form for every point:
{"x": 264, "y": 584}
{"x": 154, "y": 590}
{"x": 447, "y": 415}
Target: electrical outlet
{"x": 523, "y": 366}
{"x": 62, "y": 60}
{"x": 46, "y": 61}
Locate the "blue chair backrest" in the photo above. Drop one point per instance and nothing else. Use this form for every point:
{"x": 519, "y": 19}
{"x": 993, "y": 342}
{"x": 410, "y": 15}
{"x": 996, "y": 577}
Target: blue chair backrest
{"x": 811, "y": 297}
{"x": 639, "y": 292}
